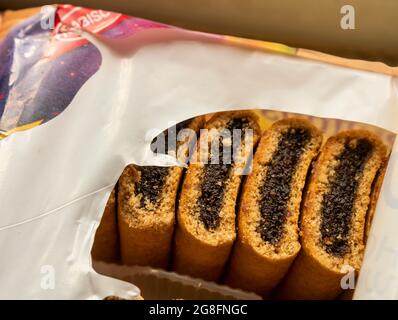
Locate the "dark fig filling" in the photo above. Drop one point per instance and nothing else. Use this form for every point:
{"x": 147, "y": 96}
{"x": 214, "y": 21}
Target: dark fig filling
{"x": 150, "y": 183}
{"x": 215, "y": 179}
{"x": 152, "y": 178}
{"x": 338, "y": 201}
{"x": 276, "y": 186}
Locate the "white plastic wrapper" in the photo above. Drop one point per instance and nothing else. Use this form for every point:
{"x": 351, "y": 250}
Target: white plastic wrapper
{"x": 55, "y": 179}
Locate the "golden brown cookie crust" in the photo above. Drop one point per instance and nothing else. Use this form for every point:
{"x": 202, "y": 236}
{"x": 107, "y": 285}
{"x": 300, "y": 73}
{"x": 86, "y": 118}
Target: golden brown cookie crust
{"x": 377, "y": 184}
{"x": 146, "y": 232}
{"x": 106, "y": 244}
{"x": 256, "y": 265}
{"x": 316, "y": 274}
{"x": 199, "y": 252}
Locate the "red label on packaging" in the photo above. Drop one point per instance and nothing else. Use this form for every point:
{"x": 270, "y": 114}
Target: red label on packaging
{"x": 72, "y": 19}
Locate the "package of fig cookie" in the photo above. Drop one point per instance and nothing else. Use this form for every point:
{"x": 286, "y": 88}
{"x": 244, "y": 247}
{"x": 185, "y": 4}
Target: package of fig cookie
{"x": 145, "y": 160}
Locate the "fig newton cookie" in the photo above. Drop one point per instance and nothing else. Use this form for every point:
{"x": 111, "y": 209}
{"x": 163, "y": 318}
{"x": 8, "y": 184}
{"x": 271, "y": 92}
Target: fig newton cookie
{"x": 106, "y": 244}
{"x": 146, "y": 207}
{"x": 334, "y": 215}
{"x": 206, "y": 213}
{"x": 268, "y": 235}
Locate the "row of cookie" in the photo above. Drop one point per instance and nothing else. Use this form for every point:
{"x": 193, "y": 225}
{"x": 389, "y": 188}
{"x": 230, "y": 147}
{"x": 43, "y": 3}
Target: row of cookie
{"x": 250, "y": 237}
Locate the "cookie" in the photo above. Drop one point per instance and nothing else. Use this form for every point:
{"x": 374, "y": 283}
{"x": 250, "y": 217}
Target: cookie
{"x": 106, "y": 244}
{"x": 146, "y": 205}
{"x": 334, "y": 215}
{"x": 206, "y": 213}
{"x": 268, "y": 236}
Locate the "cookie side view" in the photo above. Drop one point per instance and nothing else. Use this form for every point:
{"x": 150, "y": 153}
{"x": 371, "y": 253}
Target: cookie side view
{"x": 334, "y": 214}
{"x": 206, "y": 213}
{"x": 146, "y": 207}
{"x": 377, "y": 184}
{"x": 106, "y": 244}
{"x": 268, "y": 217}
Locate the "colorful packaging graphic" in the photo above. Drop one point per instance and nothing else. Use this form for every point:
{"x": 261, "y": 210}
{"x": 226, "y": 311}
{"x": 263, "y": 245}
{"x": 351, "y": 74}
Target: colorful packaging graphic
{"x": 42, "y": 69}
